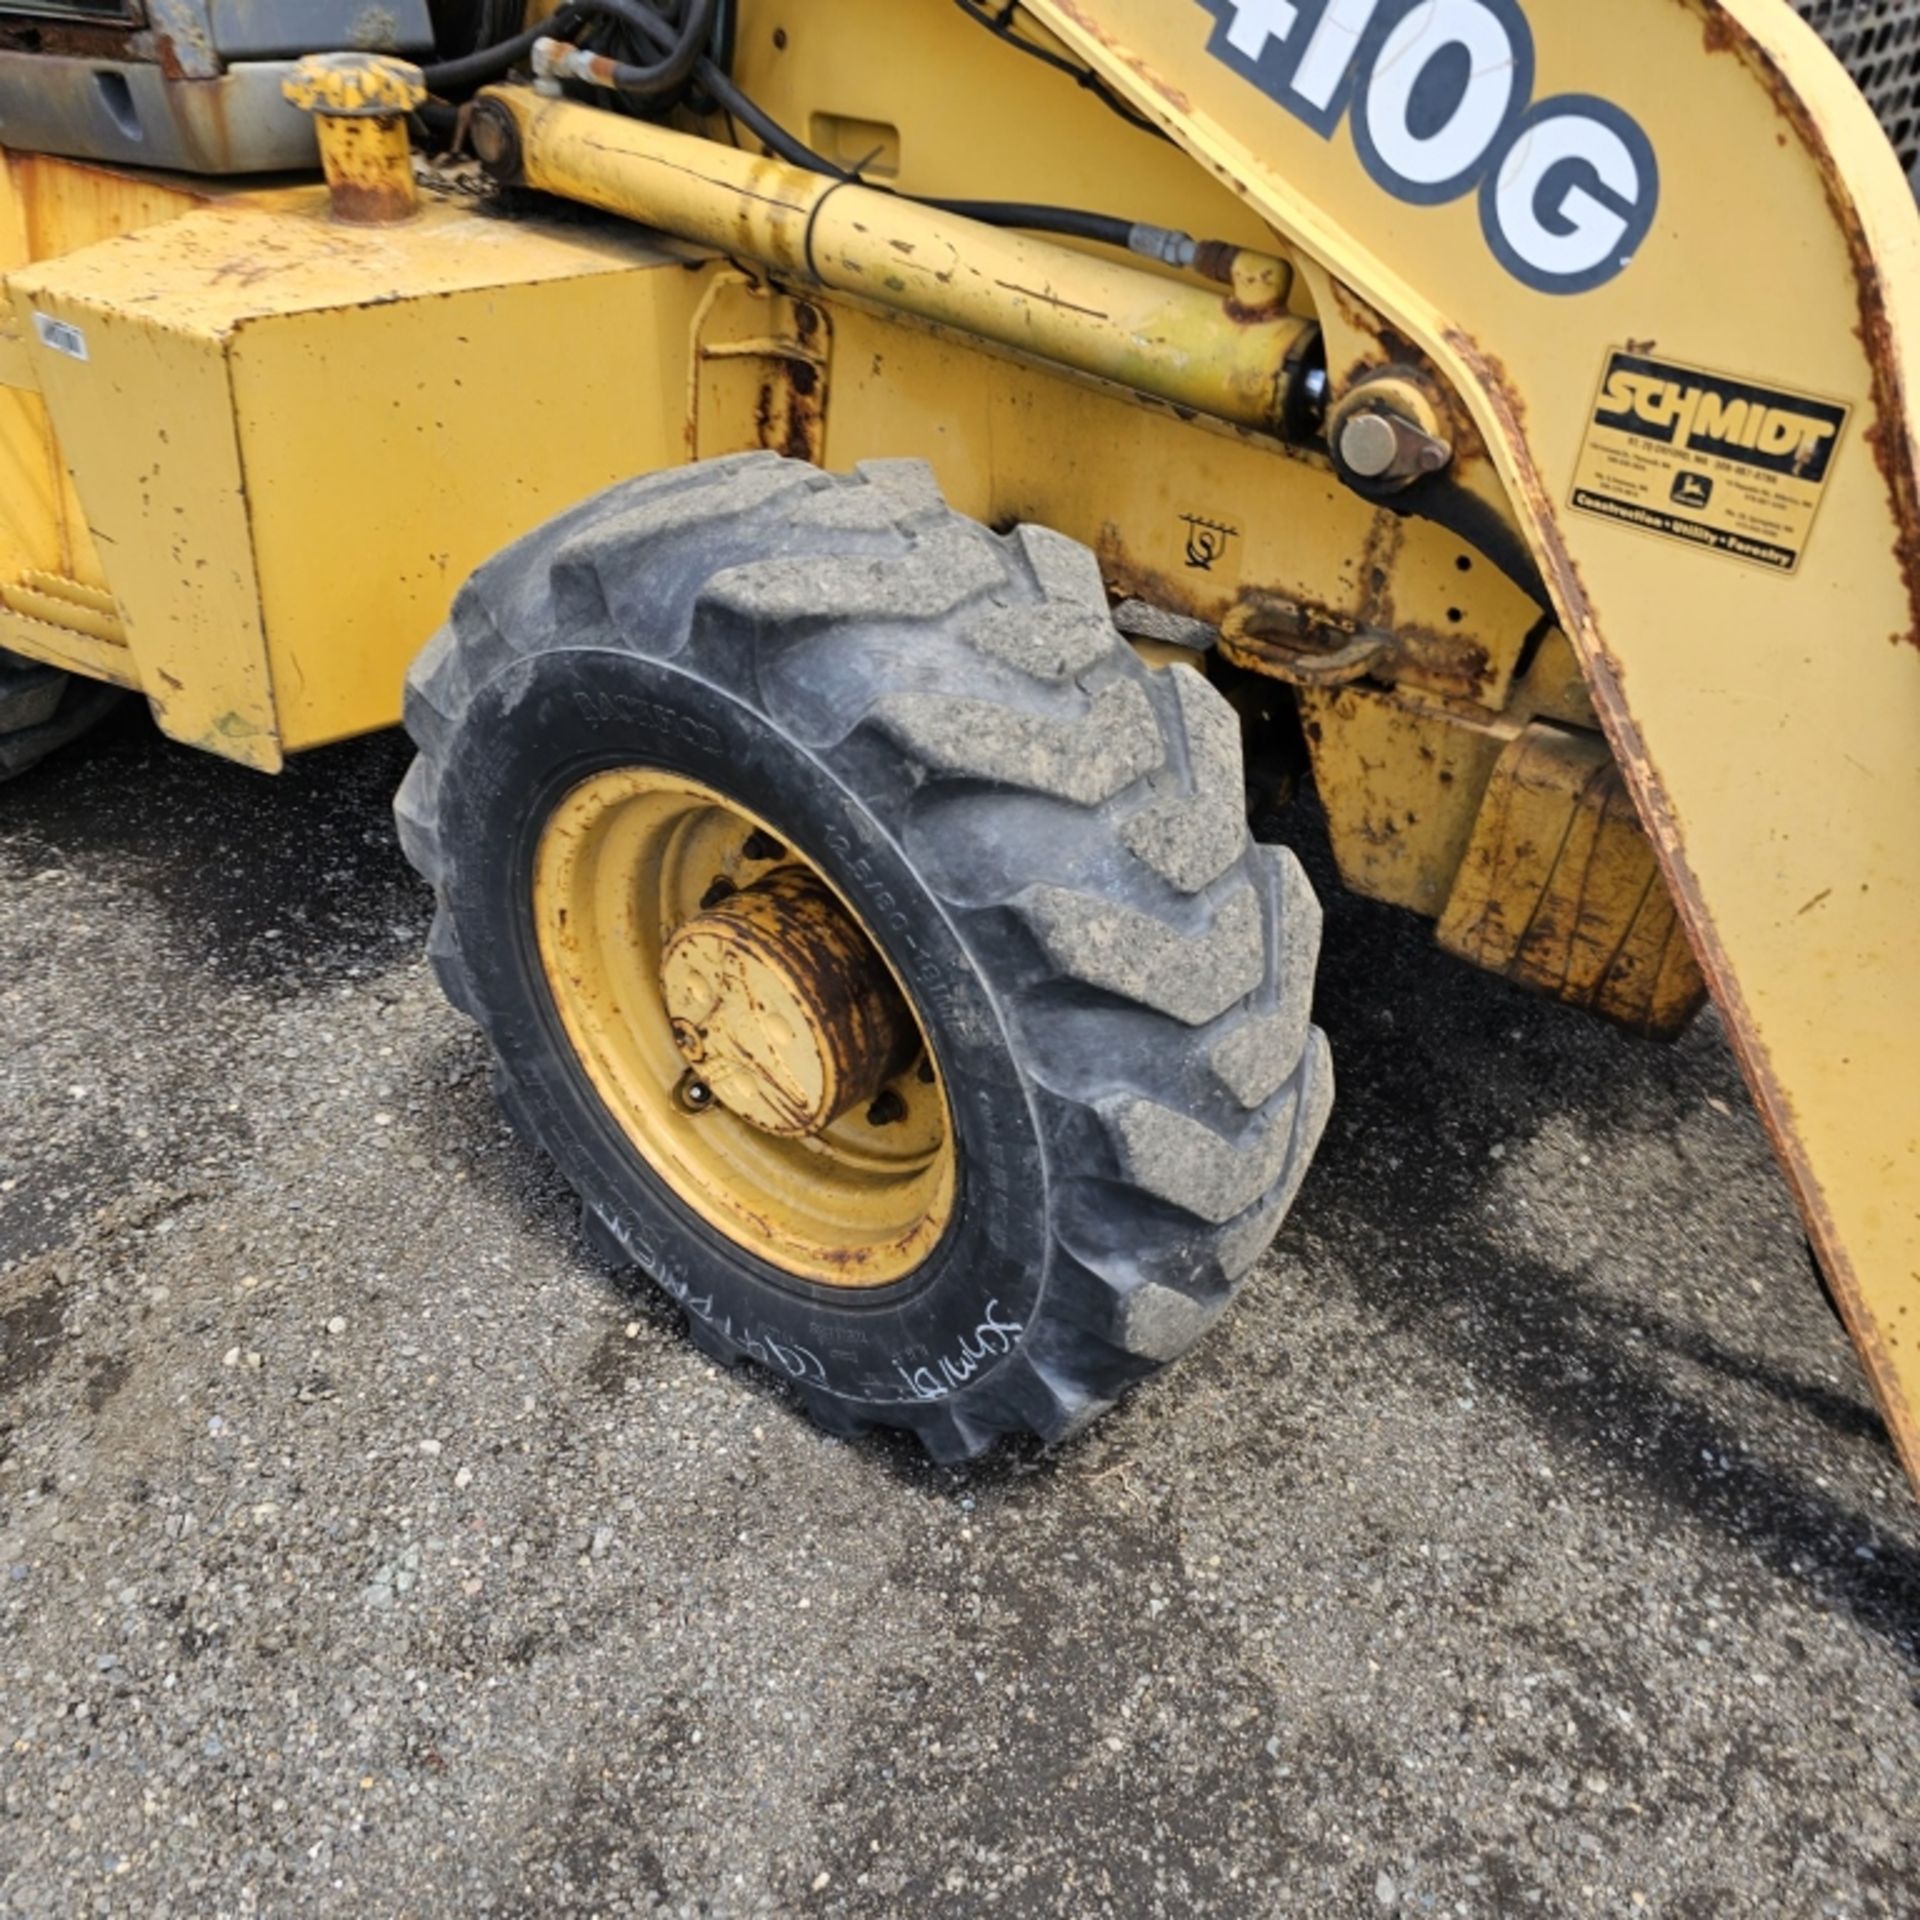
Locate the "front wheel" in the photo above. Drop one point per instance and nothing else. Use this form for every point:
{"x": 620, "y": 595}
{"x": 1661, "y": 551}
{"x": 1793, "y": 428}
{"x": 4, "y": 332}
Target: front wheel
{"x": 873, "y": 942}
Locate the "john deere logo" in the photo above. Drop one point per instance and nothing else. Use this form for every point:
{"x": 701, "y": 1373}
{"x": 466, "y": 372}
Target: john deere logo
{"x": 1440, "y": 96}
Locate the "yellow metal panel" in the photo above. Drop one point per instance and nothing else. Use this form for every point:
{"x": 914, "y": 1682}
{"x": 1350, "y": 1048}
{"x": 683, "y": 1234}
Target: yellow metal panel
{"x": 66, "y": 603}
{"x": 1554, "y": 687}
{"x": 225, "y": 266}
{"x": 1192, "y": 516}
{"x": 16, "y": 354}
{"x": 79, "y": 551}
{"x": 295, "y": 438}
{"x": 1786, "y": 251}
{"x": 147, "y": 419}
{"x": 68, "y": 204}
{"x": 390, "y": 450}
{"x": 60, "y": 645}
{"x": 1402, "y": 786}
{"x": 1560, "y": 890}
{"x": 30, "y": 486}
{"x": 51, "y": 206}
{"x": 976, "y": 120}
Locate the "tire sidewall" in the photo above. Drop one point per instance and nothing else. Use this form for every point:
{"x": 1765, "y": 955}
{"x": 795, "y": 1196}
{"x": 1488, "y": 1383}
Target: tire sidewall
{"x": 530, "y": 736}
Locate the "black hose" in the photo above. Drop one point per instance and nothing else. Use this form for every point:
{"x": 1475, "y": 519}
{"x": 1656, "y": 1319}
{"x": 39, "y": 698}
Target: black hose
{"x": 1105, "y": 228}
{"x": 440, "y": 120}
{"x": 684, "y": 48}
{"x": 767, "y": 130}
{"x": 491, "y": 63}
{"x": 682, "y": 52}
{"x": 1001, "y": 27}
{"x": 686, "y": 60}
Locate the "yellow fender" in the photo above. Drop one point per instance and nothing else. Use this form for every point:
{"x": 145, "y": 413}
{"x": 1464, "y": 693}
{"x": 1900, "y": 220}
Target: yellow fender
{"x": 1663, "y": 256}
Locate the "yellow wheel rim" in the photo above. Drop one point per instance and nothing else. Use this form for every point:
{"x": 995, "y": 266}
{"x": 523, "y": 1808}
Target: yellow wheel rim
{"x": 794, "y": 1106}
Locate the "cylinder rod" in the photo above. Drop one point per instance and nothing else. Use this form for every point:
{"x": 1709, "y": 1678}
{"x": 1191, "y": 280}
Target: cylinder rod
{"x": 1189, "y": 345}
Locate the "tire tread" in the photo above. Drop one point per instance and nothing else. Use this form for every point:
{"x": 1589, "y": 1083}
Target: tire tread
{"x": 975, "y": 658}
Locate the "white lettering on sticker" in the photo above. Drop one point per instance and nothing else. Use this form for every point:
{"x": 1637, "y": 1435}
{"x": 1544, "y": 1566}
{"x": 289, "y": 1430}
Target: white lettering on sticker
{"x": 1439, "y": 97}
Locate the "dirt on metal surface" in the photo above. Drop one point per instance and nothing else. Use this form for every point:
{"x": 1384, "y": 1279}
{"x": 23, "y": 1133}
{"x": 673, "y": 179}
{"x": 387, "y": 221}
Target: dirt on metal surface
{"x": 1893, "y": 451}
{"x": 1525, "y": 1543}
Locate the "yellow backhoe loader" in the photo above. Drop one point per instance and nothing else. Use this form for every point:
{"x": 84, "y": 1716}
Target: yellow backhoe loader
{"x": 850, "y": 494}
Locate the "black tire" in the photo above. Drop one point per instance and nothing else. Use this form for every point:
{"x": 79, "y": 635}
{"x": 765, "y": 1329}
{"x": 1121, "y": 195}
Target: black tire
{"x": 43, "y": 708}
{"x": 1050, "y": 841}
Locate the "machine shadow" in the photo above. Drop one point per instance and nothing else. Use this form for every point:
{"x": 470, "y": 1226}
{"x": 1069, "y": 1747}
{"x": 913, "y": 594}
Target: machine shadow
{"x": 305, "y": 886}
{"x": 1444, "y": 1070}
{"x": 275, "y": 882}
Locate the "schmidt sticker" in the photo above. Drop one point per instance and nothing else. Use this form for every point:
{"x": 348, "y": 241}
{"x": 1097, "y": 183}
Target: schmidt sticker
{"x": 1717, "y": 462}
{"x": 1440, "y": 93}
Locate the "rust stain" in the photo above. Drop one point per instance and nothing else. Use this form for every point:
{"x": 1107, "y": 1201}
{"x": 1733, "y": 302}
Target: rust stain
{"x": 1606, "y": 681}
{"x": 1449, "y": 664}
{"x": 73, "y": 41}
{"x": 370, "y": 203}
{"x": 789, "y": 927}
{"x": 1243, "y": 315}
{"x": 1385, "y": 540}
{"x": 789, "y": 410}
{"x": 1165, "y": 89}
{"x": 1891, "y": 444}
{"x": 1130, "y": 578}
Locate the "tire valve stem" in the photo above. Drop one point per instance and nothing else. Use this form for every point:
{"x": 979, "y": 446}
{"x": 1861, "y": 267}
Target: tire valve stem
{"x": 886, "y": 1110}
{"x": 693, "y": 1095}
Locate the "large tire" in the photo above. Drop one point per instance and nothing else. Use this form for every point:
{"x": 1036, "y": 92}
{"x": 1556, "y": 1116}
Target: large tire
{"x": 1115, "y": 982}
{"x": 42, "y": 709}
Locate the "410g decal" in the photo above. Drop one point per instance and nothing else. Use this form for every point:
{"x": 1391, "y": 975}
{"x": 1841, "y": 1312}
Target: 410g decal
{"x": 1441, "y": 97}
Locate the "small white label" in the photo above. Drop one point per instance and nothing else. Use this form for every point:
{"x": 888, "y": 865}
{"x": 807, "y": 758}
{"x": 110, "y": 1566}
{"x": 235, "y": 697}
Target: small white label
{"x": 60, "y": 336}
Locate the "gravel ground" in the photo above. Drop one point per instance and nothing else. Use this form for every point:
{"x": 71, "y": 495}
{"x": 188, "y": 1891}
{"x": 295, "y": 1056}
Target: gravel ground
{"x": 1526, "y": 1544}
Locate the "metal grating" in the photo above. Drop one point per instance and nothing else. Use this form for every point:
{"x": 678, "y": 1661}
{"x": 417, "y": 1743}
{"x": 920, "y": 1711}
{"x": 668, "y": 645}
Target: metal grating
{"x": 1879, "y": 41}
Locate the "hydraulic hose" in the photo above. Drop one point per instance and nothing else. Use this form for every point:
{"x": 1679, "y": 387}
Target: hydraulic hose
{"x": 694, "y": 46}
{"x": 1070, "y": 222}
{"x": 683, "y": 50}
{"x": 493, "y": 63}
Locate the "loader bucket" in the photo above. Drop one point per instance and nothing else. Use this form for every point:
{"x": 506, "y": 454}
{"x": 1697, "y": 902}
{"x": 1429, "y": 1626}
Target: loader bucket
{"x": 1669, "y": 264}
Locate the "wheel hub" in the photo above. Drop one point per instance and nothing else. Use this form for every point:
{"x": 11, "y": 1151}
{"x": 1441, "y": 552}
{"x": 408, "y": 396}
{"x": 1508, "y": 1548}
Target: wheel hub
{"x": 744, "y": 1028}
{"x": 782, "y": 1008}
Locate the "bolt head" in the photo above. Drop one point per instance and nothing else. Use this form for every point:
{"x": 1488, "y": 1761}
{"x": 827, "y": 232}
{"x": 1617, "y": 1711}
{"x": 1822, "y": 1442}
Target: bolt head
{"x": 1369, "y": 446}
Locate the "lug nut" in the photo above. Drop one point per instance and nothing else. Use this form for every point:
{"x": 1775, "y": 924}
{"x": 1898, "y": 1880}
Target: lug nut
{"x": 693, "y": 1094}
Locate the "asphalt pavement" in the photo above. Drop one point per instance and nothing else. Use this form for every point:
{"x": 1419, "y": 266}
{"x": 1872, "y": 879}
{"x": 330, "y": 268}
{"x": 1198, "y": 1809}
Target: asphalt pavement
{"x": 1526, "y": 1543}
